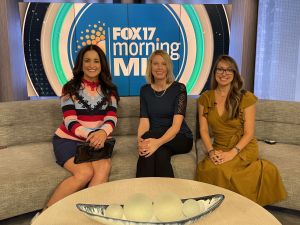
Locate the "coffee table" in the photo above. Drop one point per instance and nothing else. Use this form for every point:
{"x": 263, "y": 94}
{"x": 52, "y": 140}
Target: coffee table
{"x": 235, "y": 209}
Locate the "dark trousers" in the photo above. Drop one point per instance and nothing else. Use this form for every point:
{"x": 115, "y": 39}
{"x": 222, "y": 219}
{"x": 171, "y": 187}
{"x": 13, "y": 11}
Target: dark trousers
{"x": 159, "y": 163}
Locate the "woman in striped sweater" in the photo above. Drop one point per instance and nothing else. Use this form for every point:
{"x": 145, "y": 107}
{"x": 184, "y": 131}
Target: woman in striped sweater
{"x": 89, "y": 104}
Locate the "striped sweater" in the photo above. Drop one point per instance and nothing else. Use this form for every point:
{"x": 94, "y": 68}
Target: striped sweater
{"x": 87, "y": 112}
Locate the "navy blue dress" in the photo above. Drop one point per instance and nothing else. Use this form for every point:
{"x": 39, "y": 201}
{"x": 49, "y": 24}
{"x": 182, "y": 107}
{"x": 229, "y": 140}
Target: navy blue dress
{"x": 160, "y": 108}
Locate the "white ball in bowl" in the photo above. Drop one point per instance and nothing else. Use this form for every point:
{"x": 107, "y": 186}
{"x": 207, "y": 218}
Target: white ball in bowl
{"x": 190, "y": 208}
{"x": 204, "y": 204}
{"x": 114, "y": 211}
{"x": 138, "y": 207}
{"x": 168, "y": 207}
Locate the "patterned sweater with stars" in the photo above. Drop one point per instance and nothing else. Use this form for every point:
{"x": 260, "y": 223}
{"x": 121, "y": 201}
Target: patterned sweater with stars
{"x": 86, "y": 112}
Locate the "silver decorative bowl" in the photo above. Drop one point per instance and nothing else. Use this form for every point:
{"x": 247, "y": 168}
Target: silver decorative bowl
{"x": 97, "y": 212}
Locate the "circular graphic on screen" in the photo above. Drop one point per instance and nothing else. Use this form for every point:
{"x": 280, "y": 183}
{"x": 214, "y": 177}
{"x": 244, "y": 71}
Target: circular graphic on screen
{"x": 33, "y": 23}
{"x": 128, "y": 34}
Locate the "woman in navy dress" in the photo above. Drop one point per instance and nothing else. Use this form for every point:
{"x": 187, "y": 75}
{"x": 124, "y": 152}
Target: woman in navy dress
{"x": 162, "y": 130}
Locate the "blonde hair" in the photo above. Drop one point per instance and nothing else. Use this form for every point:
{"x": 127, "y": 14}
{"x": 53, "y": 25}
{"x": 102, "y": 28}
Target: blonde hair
{"x": 234, "y": 96}
{"x": 166, "y": 57}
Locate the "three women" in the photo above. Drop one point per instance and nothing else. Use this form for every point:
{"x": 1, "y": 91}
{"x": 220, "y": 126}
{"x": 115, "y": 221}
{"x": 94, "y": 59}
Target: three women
{"x": 89, "y": 103}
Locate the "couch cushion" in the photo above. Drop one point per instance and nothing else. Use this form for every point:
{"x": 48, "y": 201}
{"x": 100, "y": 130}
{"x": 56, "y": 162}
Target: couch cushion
{"x": 184, "y": 165}
{"x": 279, "y": 111}
{"x": 126, "y": 126}
{"x": 191, "y": 114}
{"x": 28, "y": 175}
{"x": 129, "y": 107}
{"x": 286, "y": 157}
{"x": 125, "y": 158}
{"x": 29, "y": 121}
{"x": 128, "y": 116}
{"x": 278, "y": 131}
{"x": 278, "y": 120}
{"x": 200, "y": 150}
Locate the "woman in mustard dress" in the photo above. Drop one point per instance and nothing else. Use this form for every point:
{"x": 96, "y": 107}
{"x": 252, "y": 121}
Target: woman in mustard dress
{"x": 232, "y": 159}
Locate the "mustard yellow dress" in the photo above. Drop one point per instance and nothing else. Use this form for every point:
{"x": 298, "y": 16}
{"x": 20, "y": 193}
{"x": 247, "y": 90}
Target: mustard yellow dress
{"x": 245, "y": 174}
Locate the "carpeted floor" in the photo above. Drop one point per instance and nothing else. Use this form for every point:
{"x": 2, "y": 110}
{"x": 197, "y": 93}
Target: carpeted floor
{"x": 285, "y": 216}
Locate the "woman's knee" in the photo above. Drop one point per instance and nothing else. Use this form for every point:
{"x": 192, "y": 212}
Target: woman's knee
{"x": 163, "y": 154}
{"x": 102, "y": 166}
{"x": 84, "y": 174}
{"x": 106, "y": 165}
{"x": 152, "y": 134}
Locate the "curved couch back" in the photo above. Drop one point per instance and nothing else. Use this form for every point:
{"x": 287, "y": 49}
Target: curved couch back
{"x": 278, "y": 120}
{"x": 23, "y": 122}
{"x": 30, "y": 121}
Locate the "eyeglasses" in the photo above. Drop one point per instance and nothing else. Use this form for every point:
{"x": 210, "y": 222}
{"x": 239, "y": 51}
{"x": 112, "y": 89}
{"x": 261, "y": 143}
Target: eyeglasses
{"x": 227, "y": 71}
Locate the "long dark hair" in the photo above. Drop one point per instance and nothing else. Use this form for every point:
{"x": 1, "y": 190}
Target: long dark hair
{"x": 107, "y": 87}
{"x": 235, "y": 93}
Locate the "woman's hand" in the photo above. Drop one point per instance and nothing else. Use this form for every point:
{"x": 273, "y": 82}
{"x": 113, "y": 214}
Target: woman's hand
{"x": 148, "y": 147}
{"x": 227, "y": 156}
{"x": 214, "y": 156}
{"x": 97, "y": 139}
{"x": 142, "y": 144}
{"x": 220, "y": 157}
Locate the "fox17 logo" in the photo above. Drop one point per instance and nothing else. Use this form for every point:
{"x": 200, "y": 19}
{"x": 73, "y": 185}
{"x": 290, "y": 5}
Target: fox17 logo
{"x": 128, "y": 34}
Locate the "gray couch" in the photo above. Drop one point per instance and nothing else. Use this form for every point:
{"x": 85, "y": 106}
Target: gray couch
{"x": 28, "y": 172}
{"x": 279, "y": 121}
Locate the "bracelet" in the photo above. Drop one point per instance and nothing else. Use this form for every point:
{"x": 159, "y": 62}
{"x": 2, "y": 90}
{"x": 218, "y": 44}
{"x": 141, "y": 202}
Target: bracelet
{"x": 237, "y": 149}
{"x": 210, "y": 151}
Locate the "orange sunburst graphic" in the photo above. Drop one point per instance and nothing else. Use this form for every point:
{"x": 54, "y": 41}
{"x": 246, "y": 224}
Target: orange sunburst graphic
{"x": 93, "y": 34}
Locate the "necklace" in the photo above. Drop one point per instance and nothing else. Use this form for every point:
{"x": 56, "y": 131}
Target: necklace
{"x": 92, "y": 84}
{"x": 159, "y": 96}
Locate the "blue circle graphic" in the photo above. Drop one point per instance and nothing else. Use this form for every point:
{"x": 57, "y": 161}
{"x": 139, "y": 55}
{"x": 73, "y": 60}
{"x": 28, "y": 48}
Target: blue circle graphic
{"x": 129, "y": 34}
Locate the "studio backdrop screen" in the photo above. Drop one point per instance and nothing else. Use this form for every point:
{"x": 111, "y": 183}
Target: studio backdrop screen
{"x": 54, "y": 33}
